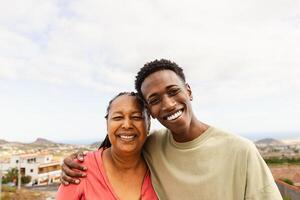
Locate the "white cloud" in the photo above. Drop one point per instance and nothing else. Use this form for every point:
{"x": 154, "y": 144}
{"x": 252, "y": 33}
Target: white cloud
{"x": 29, "y": 16}
{"x": 230, "y": 50}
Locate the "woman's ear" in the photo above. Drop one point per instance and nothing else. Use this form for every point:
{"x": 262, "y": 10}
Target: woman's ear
{"x": 106, "y": 125}
{"x": 149, "y": 124}
{"x": 148, "y": 119}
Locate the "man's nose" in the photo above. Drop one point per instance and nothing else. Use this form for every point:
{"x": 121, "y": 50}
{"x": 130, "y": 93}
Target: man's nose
{"x": 168, "y": 103}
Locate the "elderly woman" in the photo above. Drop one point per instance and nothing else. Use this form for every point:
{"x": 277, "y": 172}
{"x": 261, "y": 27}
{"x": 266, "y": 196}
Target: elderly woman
{"x": 117, "y": 170}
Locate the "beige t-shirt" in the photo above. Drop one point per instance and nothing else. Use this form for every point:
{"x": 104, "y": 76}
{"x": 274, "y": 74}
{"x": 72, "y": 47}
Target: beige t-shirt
{"x": 215, "y": 166}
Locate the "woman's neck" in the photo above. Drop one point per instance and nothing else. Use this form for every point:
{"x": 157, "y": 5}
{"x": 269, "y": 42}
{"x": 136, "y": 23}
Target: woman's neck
{"x": 125, "y": 173}
{"x": 124, "y": 162}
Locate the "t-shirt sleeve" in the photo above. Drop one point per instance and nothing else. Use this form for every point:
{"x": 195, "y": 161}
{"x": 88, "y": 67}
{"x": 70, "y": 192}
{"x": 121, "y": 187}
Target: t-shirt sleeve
{"x": 260, "y": 183}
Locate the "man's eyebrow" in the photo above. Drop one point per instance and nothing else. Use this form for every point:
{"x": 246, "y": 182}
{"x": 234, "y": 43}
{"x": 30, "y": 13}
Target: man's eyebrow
{"x": 152, "y": 95}
{"x": 170, "y": 86}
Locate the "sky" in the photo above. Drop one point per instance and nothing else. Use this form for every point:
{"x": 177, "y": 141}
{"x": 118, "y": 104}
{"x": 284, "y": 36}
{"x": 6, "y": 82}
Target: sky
{"x": 61, "y": 61}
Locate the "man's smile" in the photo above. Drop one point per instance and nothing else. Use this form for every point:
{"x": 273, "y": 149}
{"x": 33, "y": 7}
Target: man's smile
{"x": 173, "y": 116}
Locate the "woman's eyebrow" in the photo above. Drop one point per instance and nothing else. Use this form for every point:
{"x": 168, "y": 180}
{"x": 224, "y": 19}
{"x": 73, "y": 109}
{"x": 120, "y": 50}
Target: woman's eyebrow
{"x": 116, "y": 112}
{"x": 137, "y": 112}
{"x": 121, "y": 113}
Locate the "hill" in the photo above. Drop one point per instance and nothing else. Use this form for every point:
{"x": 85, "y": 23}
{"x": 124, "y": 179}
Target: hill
{"x": 42, "y": 141}
{"x": 269, "y": 141}
{"x": 3, "y": 141}
{"x": 96, "y": 145}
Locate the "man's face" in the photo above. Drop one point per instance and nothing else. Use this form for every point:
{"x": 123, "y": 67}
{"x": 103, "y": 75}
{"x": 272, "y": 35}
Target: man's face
{"x": 168, "y": 99}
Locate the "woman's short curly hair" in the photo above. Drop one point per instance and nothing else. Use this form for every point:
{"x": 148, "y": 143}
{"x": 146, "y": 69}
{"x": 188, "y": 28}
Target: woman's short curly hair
{"x": 154, "y": 66}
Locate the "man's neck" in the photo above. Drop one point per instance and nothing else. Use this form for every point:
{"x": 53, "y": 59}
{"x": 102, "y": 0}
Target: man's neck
{"x": 195, "y": 129}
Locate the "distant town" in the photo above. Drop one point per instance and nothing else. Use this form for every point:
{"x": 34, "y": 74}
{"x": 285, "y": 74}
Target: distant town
{"x": 39, "y": 164}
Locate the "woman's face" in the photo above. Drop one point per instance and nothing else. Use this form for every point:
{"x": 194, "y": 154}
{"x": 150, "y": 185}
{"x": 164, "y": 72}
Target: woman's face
{"x": 127, "y": 125}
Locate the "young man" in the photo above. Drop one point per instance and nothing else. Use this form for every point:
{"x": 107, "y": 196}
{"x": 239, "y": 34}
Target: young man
{"x": 189, "y": 159}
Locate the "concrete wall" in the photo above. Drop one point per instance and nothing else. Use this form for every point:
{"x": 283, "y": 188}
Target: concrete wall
{"x": 288, "y": 191}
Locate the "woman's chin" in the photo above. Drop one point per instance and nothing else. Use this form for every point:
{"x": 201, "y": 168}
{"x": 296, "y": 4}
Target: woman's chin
{"x": 128, "y": 149}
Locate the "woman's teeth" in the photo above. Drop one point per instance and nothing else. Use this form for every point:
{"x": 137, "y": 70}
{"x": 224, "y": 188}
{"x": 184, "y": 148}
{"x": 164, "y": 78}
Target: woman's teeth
{"x": 127, "y": 137}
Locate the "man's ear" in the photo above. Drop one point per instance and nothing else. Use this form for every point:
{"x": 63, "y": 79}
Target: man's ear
{"x": 147, "y": 106}
{"x": 189, "y": 90}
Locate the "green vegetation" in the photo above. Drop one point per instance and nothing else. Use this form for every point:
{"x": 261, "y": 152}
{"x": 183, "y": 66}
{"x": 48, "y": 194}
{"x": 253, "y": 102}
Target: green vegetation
{"x": 25, "y": 179}
{"x": 288, "y": 181}
{"x": 287, "y": 198}
{"x": 283, "y": 160}
{"x": 6, "y": 188}
{"x": 12, "y": 176}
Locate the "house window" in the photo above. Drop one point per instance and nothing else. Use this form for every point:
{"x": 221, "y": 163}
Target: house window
{"x": 17, "y": 161}
{"x": 31, "y": 170}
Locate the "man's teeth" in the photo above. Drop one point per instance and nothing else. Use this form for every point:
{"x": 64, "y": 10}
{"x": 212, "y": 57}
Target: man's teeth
{"x": 175, "y": 115}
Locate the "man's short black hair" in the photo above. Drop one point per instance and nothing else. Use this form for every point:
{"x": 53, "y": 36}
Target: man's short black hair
{"x": 154, "y": 66}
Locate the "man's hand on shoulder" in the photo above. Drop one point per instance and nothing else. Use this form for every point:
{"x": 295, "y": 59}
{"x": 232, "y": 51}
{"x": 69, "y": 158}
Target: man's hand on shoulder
{"x": 72, "y": 170}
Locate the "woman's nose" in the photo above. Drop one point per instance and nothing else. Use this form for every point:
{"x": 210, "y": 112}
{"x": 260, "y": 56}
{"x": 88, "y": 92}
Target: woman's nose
{"x": 127, "y": 123}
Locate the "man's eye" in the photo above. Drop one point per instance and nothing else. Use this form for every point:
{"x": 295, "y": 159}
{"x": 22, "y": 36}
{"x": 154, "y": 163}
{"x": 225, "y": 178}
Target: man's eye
{"x": 173, "y": 92}
{"x": 153, "y": 101}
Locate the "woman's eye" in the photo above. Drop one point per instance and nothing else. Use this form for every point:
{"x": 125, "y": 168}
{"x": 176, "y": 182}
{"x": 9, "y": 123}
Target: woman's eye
{"x": 137, "y": 117}
{"x": 117, "y": 118}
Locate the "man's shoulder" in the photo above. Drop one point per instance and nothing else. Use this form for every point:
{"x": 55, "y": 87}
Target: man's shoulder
{"x": 158, "y": 133}
{"x": 231, "y": 139}
{"x": 156, "y": 137}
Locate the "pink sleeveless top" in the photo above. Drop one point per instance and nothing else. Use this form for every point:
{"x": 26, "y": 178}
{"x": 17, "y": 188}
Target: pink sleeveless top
{"x": 96, "y": 184}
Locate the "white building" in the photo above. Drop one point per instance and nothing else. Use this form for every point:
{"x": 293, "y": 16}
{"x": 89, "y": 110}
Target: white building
{"x": 41, "y": 168}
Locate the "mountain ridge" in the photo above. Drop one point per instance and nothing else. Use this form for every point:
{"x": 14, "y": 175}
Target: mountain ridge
{"x": 269, "y": 141}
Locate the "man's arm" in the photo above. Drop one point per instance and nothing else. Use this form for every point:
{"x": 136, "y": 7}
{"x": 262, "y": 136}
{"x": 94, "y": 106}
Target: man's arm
{"x": 71, "y": 170}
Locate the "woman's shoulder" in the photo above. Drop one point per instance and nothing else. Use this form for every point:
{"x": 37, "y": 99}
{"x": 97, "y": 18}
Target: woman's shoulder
{"x": 93, "y": 158}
